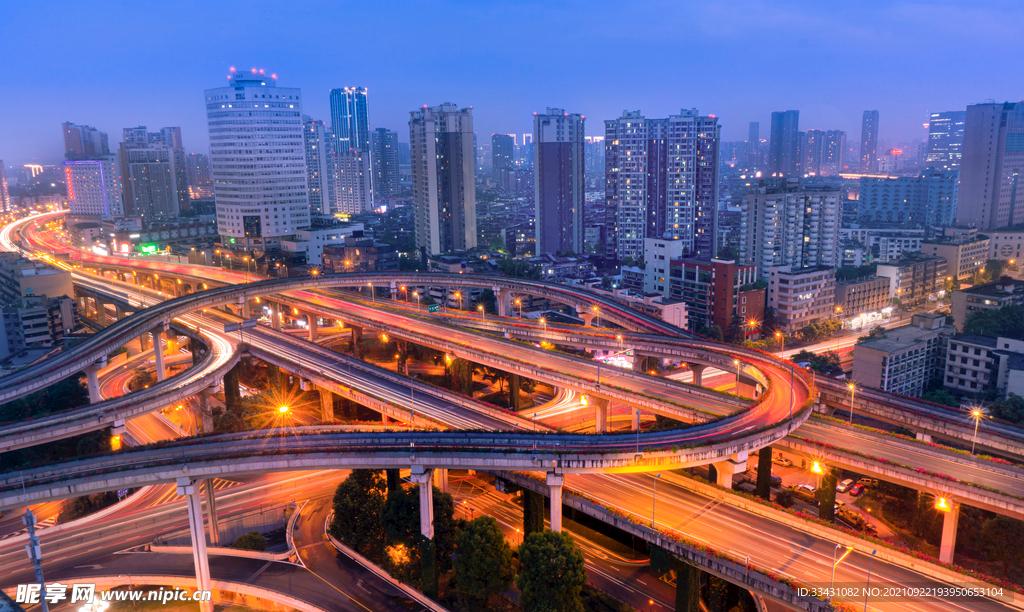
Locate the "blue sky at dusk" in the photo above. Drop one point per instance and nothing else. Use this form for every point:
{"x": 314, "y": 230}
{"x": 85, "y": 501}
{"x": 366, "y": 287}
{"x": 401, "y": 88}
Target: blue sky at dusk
{"x": 119, "y": 64}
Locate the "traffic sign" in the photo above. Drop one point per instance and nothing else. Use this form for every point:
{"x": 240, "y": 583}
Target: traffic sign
{"x": 230, "y": 327}
{"x": 433, "y": 308}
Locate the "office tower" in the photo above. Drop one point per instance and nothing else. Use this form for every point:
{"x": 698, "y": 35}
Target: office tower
{"x": 5, "y": 195}
{"x": 992, "y": 162}
{"x": 754, "y": 132}
{"x": 558, "y": 185}
{"x": 833, "y": 152}
{"x": 317, "y": 175}
{"x": 94, "y": 187}
{"x": 869, "y": 142}
{"x": 352, "y": 171}
{"x": 503, "y": 149}
{"x": 84, "y": 142}
{"x": 349, "y": 119}
{"x": 443, "y": 178}
{"x": 154, "y": 173}
{"x": 197, "y": 168}
{"x": 785, "y": 224}
{"x": 928, "y": 199}
{"x": 784, "y": 148}
{"x": 384, "y": 158}
{"x": 257, "y": 160}
{"x": 661, "y": 179}
{"x": 945, "y": 140}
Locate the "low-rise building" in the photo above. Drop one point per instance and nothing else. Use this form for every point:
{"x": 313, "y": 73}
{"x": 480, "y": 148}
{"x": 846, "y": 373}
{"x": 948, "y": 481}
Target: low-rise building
{"x": 862, "y": 295}
{"x": 359, "y": 254}
{"x": 882, "y": 242}
{"x": 1006, "y": 245}
{"x": 976, "y": 363}
{"x": 801, "y": 296}
{"x": 307, "y": 246}
{"x": 905, "y": 359}
{"x": 21, "y": 278}
{"x": 963, "y": 258}
{"x": 558, "y": 267}
{"x": 989, "y": 296}
{"x": 914, "y": 277}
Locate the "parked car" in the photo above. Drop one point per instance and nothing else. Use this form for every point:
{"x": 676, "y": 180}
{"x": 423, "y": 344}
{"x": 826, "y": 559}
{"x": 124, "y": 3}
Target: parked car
{"x": 856, "y": 490}
{"x": 806, "y": 488}
{"x": 844, "y": 485}
{"x": 868, "y": 482}
{"x": 782, "y": 461}
{"x": 776, "y": 481}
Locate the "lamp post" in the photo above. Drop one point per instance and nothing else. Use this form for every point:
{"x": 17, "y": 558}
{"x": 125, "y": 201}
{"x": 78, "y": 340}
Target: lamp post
{"x": 654, "y": 499}
{"x": 836, "y": 562}
{"x": 416, "y": 294}
{"x": 736, "y": 362}
{"x": 853, "y": 388}
{"x": 977, "y": 419}
{"x": 519, "y": 303}
{"x": 373, "y": 298}
{"x": 480, "y": 307}
{"x": 597, "y": 314}
{"x": 867, "y": 586}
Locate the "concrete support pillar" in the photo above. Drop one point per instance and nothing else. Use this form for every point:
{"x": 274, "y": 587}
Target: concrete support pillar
{"x": 93, "y": 381}
{"x": 205, "y": 415}
{"x": 441, "y": 479}
{"x": 727, "y": 469}
{"x": 119, "y": 312}
{"x": 211, "y": 512}
{"x": 275, "y": 315}
{"x": 923, "y": 436}
{"x": 588, "y": 318}
{"x": 600, "y": 414}
{"x": 384, "y": 420}
{"x": 514, "y": 388}
{"x": 698, "y": 374}
{"x": 638, "y": 361}
{"x": 187, "y": 488}
{"x": 503, "y": 301}
{"x": 311, "y": 321}
{"x": 949, "y": 525}
{"x": 158, "y": 352}
{"x": 243, "y": 304}
{"x": 423, "y": 477}
{"x": 555, "y": 482}
{"x": 326, "y": 405}
{"x": 357, "y": 336}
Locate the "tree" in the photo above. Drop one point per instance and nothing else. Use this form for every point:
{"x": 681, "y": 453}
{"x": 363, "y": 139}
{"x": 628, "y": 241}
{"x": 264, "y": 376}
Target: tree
{"x": 250, "y": 541}
{"x": 826, "y": 363}
{"x": 400, "y": 518}
{"x": 551, "y": 573}
{"x": 712, "y": 333}
{"x": 940, "y": 396}
{"x": 519, "y": 268}
{"x": 1007, "y": 321}
{"x": 484, "y": 563}
{"x": 358, "y": 502}
{"x": 140, "y": 380}
{"x": 1011, "y": 408}
{"x": 999, "y": 535}
{"x": 764, "y": 473}
{"x": 826, "y": 495}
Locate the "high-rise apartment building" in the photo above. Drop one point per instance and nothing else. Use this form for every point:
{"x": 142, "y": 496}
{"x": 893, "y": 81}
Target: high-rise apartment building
{"x": 197, "y": 168}
{"x": 784, "y": 148}
{"x": 822, "y": 152}
{"x": 443, "y": 178}
{"x": 869, "y": 142}
{"x": 503, "y": 151}
{"x": 945, "y": 140}
{"x": 928, "y": 199}
{"x": 384, "y": 158}
{"x": 154, "y": 173}
{"x": 786, "y": 224}
{"x": 558, "y": 183}
{"x": 84, "y": 142}
{"x": 94, "y": 187}
{"x": 661, "y": 179}
{"x": 5, "y": 195}
{"x": 353, "y": 174}
{"x": 992, "y": 163}
{"x": 317, "y": 175}
{"x": 258, "y": 160}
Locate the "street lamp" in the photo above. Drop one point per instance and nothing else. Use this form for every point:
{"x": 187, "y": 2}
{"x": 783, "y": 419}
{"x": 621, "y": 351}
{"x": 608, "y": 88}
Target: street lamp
{"x": 736, "y": 362}
{"x": 654, "y": 499}
{"x": 416, "y": 294}
{"x": 853, "y": 388}
{"x": 373, "y": 299}
{"x": 480, "y": 307}
{"x": 519, "y": 303}
{"x": 976, "y": 413}
{"x": 834, "y": 564}
{"x": 458, "y": 296}
{"x": 867, "y": 586}
{"x": 597, "y": 313}
{"x": 544, "y": 322}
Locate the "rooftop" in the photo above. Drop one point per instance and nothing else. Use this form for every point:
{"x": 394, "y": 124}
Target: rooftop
{"x": 900, "y": 338}
{"x": 977, "y": 340}
{"x": 1003, "y": 287}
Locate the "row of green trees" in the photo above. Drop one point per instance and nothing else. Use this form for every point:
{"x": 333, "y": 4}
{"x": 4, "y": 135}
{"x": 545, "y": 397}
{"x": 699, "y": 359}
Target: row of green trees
{"x": 380, "y": 519}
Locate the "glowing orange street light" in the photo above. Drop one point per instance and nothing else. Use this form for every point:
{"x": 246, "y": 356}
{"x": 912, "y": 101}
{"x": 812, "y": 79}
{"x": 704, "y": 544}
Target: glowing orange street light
{"x": 283, "y": 409}
{"x": 942, "y": 504}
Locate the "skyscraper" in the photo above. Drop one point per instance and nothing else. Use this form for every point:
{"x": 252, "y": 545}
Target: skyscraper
{"x": 352, "y": 171}
{"x": 317, "y": 175}
{"x": 5, "y": 196}
{"x": 811, "y": 151}
{"x": 911, "y": 201}
{"x": 784, "y": 148}
{"x": 661, "y": 179}
{"x": 84, "y": 142}
{"x": 558, "y": 185}
{"x": 258, "y": 160}
{"x": 503, "y": 148}
{"x": 384, "y": 158}
{"x": 443, "y": 178}
{"x": 993, "y": 160}
{"x": 833, "y": 153}
{"x": 869, "y": 142}
{"x": 945, "y": 140}
{"x": 94, "y": 187}
{"x": 197, "y": 167}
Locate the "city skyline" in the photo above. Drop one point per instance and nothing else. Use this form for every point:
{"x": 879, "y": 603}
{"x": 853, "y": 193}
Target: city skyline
{"x": 505, "y": 98}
